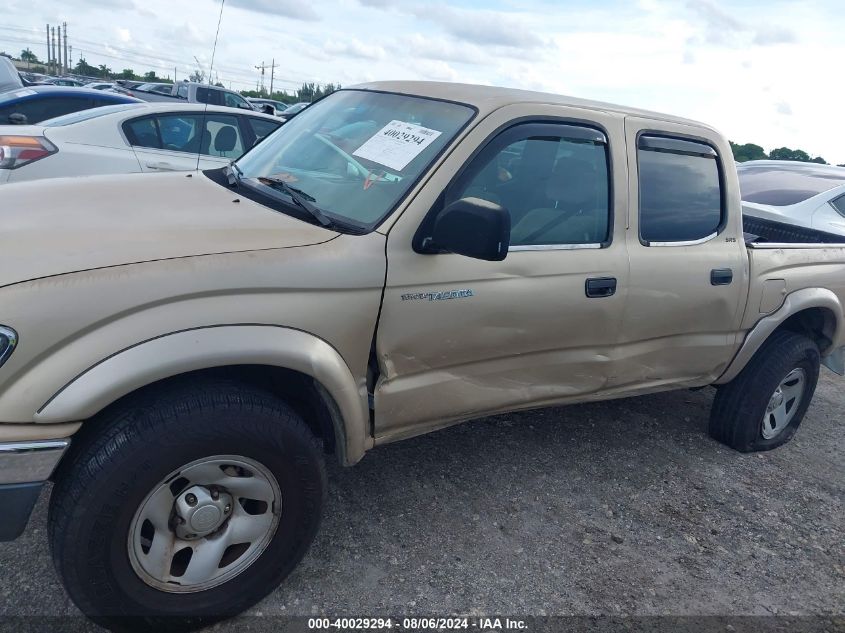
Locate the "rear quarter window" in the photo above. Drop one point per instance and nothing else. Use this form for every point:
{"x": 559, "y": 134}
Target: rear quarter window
{"x": 262, "y": 127}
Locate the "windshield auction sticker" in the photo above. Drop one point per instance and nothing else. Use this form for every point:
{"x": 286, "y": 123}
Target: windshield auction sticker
{"x": 396, "y": 144}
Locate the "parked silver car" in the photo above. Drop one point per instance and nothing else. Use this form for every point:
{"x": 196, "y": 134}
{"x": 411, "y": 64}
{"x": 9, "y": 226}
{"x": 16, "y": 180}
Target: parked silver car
{"x": 807, "y": 195}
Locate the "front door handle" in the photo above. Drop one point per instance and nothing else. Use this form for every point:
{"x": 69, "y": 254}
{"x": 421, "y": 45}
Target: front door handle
{"x": 721, "y": 276}
{"x": 601, "y": 287}
{"x": 164, "y": 166}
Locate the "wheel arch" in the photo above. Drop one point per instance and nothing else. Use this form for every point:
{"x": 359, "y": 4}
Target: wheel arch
{"x": 814, "y": 312}
{"x": 299, "y": 367}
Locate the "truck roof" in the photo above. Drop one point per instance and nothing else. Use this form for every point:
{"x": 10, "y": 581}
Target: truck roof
{"x": 489, "y": 98}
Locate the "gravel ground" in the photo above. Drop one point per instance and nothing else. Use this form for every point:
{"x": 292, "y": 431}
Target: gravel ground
{"x": 617, "y": 508}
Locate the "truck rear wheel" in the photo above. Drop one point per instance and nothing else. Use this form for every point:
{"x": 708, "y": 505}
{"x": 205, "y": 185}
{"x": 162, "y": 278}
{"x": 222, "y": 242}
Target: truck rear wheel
{"x": 185, "y": 506}
{"x": 762, "y": 407}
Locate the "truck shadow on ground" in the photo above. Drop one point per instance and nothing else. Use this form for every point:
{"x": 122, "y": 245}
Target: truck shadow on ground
{"x": 624, "y": 506}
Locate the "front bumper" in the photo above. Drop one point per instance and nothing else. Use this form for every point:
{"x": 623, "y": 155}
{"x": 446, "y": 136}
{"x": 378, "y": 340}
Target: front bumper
{"x": 24, "y": 468}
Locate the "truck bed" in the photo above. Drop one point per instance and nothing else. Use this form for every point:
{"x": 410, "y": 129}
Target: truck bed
{"x": 760, "y": 231}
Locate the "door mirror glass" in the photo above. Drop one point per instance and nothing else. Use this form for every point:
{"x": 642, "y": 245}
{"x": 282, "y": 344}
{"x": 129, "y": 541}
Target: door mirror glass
{"x": 474, "y": 228}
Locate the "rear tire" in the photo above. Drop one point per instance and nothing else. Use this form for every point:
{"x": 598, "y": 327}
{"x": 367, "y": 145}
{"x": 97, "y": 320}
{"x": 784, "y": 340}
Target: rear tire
{"x": 132, "y": 451}
{"x": 763, "y": 406}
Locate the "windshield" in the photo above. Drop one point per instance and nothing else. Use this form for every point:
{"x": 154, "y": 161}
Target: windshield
{"x": 779, "y": 186}
{"x": 355, "y": 153}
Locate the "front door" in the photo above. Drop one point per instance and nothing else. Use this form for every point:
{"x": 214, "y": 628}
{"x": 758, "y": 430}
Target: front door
{"x": 460, "y": 337}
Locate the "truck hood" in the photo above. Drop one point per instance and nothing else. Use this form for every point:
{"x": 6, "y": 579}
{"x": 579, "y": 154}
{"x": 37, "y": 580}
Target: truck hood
{"x": 66, "y": 225}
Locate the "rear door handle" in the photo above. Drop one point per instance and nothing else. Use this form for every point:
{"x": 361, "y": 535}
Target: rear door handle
{"x": 721, "y": 276}
{"x": 601, "y": 287}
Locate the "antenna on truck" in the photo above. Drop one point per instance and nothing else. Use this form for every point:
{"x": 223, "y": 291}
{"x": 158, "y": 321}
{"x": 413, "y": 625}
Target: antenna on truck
{"x": 210, "y": 69}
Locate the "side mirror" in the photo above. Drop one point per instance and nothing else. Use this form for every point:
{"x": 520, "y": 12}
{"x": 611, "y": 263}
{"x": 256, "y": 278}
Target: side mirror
{"x": 17, "y": 118}
{"x": 474, "y": 228}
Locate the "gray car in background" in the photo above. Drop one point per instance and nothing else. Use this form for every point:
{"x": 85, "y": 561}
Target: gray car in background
{"x": 805, "y": 195}
{"x": 10, "y": 79}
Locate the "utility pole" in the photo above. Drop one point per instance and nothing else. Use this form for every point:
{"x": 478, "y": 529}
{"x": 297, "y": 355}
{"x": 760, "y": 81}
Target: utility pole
{"x": 53, "y": 41}
{"x": 261, "y": 68}
{"x": 67, "y": 62}
{"x": 272, "y": 74}
{"x": 59, "y": 52}
{"x": 49, "y": 56}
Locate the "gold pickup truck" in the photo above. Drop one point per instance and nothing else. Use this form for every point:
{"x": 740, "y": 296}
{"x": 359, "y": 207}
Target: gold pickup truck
{"x": 179, "y": 351}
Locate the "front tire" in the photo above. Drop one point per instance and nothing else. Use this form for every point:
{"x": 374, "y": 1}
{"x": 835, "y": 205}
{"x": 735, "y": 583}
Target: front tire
{"x": 185, "y": 506}
{"x": 763, "y": 406}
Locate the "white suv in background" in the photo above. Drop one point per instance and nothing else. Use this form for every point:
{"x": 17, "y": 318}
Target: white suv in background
{"x": 127, "y": 138}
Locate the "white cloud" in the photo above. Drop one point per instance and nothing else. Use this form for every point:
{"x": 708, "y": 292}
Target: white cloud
{"x": 295, "y": 9}
{"x": 738, "y": 66}
{"x": 354, "y": 48}
{"x": 436, "y": 70}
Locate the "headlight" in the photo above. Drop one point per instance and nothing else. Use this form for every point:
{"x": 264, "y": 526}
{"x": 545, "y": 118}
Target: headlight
{"x": 8, "y": 340}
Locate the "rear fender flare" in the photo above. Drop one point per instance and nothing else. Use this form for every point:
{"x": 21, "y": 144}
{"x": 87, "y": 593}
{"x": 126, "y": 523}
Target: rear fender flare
{"x": 794, "y": 303}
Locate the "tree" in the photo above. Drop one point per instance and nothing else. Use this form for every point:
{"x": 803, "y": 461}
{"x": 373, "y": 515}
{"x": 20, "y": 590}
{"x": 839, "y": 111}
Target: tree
{"x": 29, "y": 57}
{"x": 150, "y": 76}
{"x": 105, "y": 71}
{"x": 748, "y": 151}
{"x": 198, "y": 76}
{"x": 84, "y": 68}
{"x": 126, "y": 73}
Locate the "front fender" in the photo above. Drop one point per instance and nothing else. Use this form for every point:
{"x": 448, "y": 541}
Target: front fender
{"x": 793, "y": 304}
{"x": 218, "y": 346}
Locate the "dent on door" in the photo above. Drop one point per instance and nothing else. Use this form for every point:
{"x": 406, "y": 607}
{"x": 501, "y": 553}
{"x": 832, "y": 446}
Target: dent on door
{"x": 460, "y": 337}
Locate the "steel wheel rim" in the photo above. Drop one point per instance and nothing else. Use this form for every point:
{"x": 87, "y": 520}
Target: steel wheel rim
{"x": 783, "y": 403}
{"x": 221, "y": 543}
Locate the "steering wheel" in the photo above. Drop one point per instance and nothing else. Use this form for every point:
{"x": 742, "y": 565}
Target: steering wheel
{"x": 360, "y": 170}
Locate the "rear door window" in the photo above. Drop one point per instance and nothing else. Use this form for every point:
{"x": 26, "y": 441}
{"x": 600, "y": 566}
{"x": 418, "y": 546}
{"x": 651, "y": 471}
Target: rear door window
{"x": 209, "y": 96}
{"x": 680, "y": 190}
{"x": 234, "y": 101}
{"x": 210, "y": 135}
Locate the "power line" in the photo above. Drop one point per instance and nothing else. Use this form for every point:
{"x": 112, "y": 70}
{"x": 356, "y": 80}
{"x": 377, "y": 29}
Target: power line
{"x": 150, "y": 60}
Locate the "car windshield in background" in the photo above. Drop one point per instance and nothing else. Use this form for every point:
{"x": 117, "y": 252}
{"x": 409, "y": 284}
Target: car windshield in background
{"x": 355, "y": 153}
{"x": 85, "y": 115}
{"x": 781, "y": 186}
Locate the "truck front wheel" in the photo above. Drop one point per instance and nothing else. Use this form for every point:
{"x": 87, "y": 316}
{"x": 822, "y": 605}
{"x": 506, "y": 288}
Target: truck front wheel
{"x": 185, "y": 506}
{"x": 762, "y": 407}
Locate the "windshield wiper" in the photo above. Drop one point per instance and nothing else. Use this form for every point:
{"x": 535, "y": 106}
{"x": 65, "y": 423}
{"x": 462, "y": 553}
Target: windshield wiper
{"x": 233, "y": 174}
{"x": 302, "y": 199}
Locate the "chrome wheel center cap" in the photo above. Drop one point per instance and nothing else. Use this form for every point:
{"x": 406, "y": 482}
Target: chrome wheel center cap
{"x": 200, "y": 511}
{"x": 776, "y": 401}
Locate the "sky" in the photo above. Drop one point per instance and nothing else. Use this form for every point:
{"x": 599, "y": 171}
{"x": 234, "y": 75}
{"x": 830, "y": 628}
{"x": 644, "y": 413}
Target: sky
{"x": 762, "y": 71}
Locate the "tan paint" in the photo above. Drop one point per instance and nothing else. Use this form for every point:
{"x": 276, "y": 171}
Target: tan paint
{"x": 110, "y": 289}
{"x": 27, "y": 432}
{"x": 220, "y": 346}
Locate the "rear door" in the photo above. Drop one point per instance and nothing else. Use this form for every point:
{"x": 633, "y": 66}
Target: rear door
{"x": 689, "y": 269}
{"x": 459, "y": 337}
{"x": 188, "y": 141}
